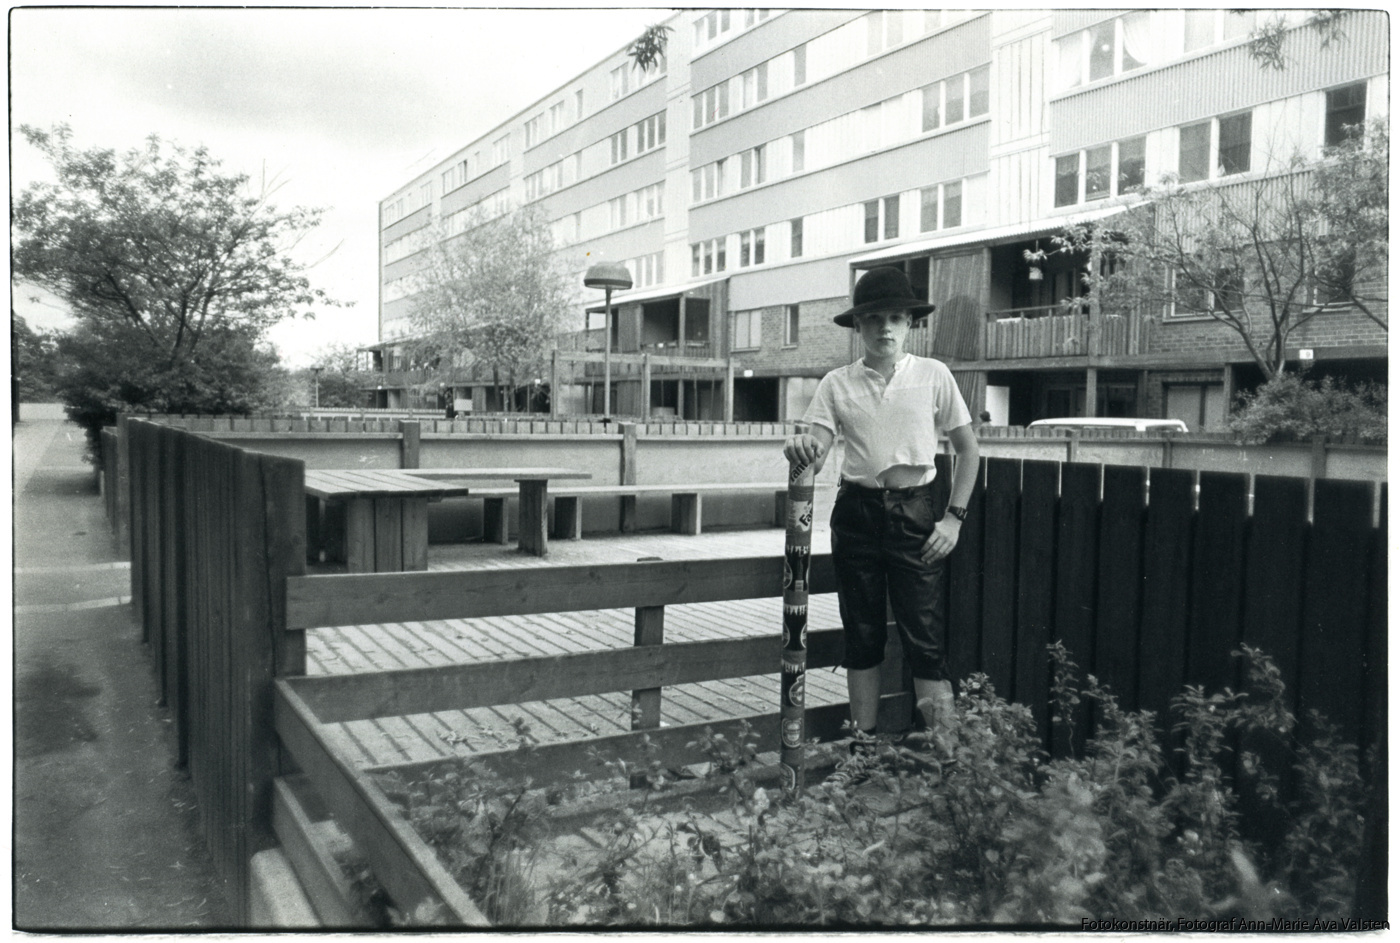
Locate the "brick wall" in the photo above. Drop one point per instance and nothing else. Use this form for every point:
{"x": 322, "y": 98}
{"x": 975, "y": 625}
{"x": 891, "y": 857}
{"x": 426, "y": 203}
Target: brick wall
{"x": 821, "y": 345}
{"x": 1340, "y": 328}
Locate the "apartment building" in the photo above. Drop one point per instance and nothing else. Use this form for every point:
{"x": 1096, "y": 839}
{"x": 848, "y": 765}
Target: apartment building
{"x": 776, "y": 154}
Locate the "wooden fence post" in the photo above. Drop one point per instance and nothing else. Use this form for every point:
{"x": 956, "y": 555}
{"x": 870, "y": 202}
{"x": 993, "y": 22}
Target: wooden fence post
{"x": 649, "y": 628}
{"x": 627, "y": 512}
{"x": 410, "y": 432}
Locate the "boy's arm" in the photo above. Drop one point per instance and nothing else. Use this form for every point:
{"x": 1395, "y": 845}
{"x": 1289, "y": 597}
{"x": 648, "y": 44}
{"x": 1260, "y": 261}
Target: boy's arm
{"x": 945, "y": 533}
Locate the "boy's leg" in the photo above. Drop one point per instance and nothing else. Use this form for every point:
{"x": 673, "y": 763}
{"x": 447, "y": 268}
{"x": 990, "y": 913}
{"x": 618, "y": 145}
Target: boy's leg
{"x": 863, "y": 685}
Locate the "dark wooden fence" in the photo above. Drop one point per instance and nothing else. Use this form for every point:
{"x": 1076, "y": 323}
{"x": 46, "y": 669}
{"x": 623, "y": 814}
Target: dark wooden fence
{"x": 215, "y": 532}
{"x": 1149, "y": 594}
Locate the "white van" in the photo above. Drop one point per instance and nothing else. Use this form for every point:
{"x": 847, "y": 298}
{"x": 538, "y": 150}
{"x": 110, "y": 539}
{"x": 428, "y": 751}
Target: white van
{"x": 1139, "y": 425}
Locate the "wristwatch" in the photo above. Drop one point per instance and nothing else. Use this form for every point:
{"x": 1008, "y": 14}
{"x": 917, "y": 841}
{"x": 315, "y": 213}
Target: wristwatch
{"x": 959, "y": 513}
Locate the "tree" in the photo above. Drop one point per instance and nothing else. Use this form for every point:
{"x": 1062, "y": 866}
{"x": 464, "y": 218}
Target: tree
{"x": 648, "y": 49}
{"x": 1266, "y": 40}
{"x": 496, "y": 294}
{"x": 33, "y": 361}
{"x": 167, "y": 264}
{"x": 340, "y": 383}
{"x": 1262, "y": 256}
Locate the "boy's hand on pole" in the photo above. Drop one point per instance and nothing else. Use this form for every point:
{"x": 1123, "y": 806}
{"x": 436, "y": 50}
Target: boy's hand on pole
{"x": 803, "y": 448}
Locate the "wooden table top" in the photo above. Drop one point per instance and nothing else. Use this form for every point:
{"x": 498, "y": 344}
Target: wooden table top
{"x": 405, "y": 482}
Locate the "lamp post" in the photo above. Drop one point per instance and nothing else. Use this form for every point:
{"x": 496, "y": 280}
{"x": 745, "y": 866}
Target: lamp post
{"x": 607, "y": 276}
{"x": 316, "y": 394}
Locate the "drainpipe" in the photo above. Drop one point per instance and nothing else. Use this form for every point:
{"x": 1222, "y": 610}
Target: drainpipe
{"x": 1091, "y": 373}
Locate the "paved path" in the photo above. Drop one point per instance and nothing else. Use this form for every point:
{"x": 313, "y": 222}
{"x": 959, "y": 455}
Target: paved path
{"x": 105, "y": 829}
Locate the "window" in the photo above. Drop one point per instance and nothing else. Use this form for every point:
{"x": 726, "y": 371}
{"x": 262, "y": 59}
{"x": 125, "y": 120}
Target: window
{"x": 752, "y": 166}
{"x": 1067, "y": 180}
{"x": 620, "y": 81}
{"x": 617, "y": 146}
{"x": 578, "y": 105}
{"x": 799, "y": 151}
{"x": 707, "y": 257}
{"x": 979, "y": 94}
{"x": 888, "y": 208}
{"x": 1194, "y": 153}
{"x": 1346, "y": 108}
{"x": 1335, "y": 278}
{"x": 651, "y": 132}
{"x": 874, "y": 32}
{"x": 790, "y": 327}
{"x": 933, "y": 96}
{"x": 1234, "y": 144}
{"x": 799, "y": 65}
{"x": 952, "y": 205}
{"x": 1188, "y": 300}
{"x": 1200, "y": 29}
{"x": 1110, "y": 48}
{"x": 711, "y": 105}
{"x": 953, "y": 100}
{"x": 1098, "y": 172}
{"x": 755, "y": 85}
{"x": 751, "y": 246}
{"x": 556, "y": 117}
{"x": 500, "y": 150}
{"x": 532, "y": 131}
{"x": 651, "y": 200}
{"x": 707, "y": 182}
{"x": 928, "y": 209}
{"x": 747, "y": 330}
{"x": 647, "y": 270}
{"x": 796, "y": 248}
{"x": 618, "y": 210}
{"x": 1132, "y": 164}
{"x": 455, "y": 176}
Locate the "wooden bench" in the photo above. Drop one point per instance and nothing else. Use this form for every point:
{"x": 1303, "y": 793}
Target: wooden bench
{"x": 686, "y": 506}
{"x": 386, "y": 510}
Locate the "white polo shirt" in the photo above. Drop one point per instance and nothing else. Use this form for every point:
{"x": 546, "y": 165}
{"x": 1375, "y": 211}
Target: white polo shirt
{"x": 889, "y": 423}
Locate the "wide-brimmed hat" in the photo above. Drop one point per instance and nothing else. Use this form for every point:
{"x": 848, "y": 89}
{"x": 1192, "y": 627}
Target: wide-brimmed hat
{"x": 881, "y": 289}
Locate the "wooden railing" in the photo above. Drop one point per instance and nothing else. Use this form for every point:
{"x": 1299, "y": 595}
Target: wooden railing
{"x": 1149, "y": 595}
{"x": 1061, "y": 335}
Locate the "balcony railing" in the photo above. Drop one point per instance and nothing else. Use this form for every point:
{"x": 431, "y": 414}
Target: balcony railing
{"x": 1024, "y": 333}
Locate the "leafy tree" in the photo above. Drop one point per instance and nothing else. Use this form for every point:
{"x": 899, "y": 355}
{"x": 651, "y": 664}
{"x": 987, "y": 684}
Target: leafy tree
{"x": 33, "y": 360}
{"x": 341, "y": 383}
{"x": 1263, "y": 256}
{"x": 173, "y": 270}
{"x": 1266, "y": 41}
{"x": 495, "y": 294}
{"x": 649, "y": 49}
{"x": 1294, "y": 406}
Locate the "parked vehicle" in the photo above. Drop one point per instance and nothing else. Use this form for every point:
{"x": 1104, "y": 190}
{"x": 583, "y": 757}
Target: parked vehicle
{"x": 1140, "y": 425}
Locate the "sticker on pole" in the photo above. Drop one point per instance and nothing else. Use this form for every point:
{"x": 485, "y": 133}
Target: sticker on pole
{"x": 797, "y": 691}
{"x": 799, "y": 516}
{"x": 792, "y": 733}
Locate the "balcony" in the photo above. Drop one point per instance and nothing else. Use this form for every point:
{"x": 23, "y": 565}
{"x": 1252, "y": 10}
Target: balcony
{"x": 1046, "y": 331}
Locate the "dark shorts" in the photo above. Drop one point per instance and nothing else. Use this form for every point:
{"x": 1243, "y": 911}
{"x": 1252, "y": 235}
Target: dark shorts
{"x": 876, "y": 536}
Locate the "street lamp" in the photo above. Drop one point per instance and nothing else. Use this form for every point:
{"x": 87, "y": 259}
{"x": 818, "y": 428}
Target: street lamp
{"x": 607, "y": 276}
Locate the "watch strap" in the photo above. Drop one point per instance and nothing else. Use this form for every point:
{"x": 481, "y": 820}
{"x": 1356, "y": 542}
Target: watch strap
{"x": 959, "y": 512}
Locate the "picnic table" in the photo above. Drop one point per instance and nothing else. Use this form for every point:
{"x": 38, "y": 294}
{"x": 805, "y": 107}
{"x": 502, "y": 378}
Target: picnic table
{"x": 386, "y": 510}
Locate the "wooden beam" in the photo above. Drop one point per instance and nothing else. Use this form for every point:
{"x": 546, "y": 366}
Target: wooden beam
{"x": 406, "y": 691}
{"x": 363, "y": 598}
{"x": 558, "y": 762}
{"x": 399, "y": 858}
{"x": 320, "y": 874}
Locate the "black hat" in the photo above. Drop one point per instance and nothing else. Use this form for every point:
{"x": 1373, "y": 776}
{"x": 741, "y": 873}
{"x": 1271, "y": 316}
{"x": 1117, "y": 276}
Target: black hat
{"x": 881, "y": 289}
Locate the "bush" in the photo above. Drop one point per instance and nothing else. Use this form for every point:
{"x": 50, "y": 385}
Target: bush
{"x": 975, "y": 826}
{"x": 1291, "y": 405}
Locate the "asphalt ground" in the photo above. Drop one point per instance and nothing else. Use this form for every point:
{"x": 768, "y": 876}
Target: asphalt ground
{"x": 105, "y": 830}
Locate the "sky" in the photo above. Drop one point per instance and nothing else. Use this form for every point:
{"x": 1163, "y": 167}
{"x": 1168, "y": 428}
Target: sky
{"x": 337, "y": 106}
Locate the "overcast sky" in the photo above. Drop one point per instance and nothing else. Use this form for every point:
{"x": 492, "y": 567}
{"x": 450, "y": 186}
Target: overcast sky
{"x": 341, "y": 105}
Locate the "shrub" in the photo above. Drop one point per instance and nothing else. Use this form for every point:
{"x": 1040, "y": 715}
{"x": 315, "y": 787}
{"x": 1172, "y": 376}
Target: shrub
{"x": 1291, "y": 405}
{"x": 975, "y": 826}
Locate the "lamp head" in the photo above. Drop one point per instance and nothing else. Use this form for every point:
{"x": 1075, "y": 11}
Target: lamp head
{"x": 609, "y": 275}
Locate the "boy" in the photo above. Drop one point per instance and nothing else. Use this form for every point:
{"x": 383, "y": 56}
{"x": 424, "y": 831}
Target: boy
{"x": 889, "y": 532}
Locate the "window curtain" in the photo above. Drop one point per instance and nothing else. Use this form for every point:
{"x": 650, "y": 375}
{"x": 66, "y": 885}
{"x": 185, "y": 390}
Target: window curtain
{"x": 1137, "y": 41}
{"x": 1071, "y": 59}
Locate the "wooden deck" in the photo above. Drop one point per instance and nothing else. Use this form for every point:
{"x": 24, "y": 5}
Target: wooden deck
{"x": 348, "y": 649}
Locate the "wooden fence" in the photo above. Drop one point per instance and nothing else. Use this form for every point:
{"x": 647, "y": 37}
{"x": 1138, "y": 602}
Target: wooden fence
{"x": 1149, "y": 577}
{"x": 215, "y": 531}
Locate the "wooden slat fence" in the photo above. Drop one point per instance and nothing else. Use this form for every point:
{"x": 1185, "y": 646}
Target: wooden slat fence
{"x": 215, "y": 531}
{"x": 1147, "y": 594}
{"x": 496, "y": 425}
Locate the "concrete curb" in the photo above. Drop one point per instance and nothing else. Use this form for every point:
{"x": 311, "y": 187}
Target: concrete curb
{"x": 277, "y": 899}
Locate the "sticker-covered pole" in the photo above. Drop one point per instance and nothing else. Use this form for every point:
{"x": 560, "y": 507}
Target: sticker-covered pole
{"x": 797, "y": 568}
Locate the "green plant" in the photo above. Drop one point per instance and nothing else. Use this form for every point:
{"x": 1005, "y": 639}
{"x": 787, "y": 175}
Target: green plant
{"x": 1292, "y": 405}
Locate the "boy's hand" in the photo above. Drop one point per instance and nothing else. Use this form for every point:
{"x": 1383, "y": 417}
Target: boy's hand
{"x": 804, "y": 449}
{"x": 943, "y": 539}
